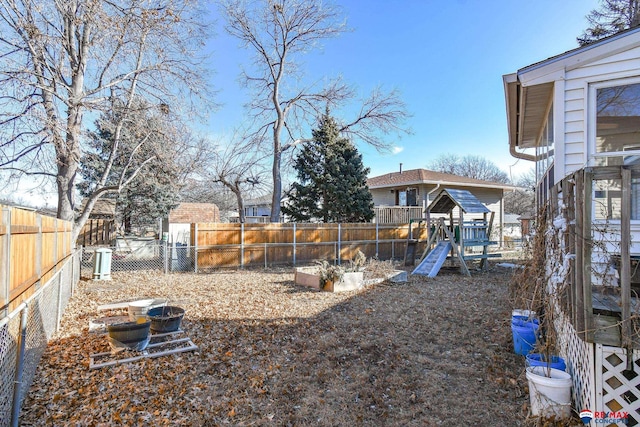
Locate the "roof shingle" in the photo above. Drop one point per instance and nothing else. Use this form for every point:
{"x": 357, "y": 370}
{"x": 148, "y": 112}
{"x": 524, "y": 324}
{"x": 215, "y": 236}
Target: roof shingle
{"x": 424, "y": 176}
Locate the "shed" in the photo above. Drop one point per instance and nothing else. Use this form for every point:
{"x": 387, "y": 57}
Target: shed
{"x": 177, "y": 225}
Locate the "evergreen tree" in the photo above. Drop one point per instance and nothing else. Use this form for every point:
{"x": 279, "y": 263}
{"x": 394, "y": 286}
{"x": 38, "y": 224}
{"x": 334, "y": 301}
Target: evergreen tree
{"x": 612, "y": 17}
{"x": 331, "y": 180}
{"x": 153, "y": 190}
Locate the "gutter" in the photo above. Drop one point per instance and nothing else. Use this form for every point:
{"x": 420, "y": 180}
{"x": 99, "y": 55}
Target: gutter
{"x": 518, "y": 155}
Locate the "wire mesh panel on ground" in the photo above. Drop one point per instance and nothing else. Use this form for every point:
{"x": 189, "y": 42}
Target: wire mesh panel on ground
{"x": 36, "y": 319}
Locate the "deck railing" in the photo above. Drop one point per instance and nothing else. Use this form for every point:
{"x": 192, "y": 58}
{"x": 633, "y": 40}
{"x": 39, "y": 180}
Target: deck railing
{"x": 591, "y": 212}
{"x": 397, "y": 214}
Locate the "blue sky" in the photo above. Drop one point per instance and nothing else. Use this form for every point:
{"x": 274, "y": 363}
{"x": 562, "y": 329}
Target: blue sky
{"x": 446, "y": 57}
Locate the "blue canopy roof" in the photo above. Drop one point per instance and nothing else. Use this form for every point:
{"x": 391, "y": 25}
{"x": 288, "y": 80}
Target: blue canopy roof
{"x": 449, "y": 198}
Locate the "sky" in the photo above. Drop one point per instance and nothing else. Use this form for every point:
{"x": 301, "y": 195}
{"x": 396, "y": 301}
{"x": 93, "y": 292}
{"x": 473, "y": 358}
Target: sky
{"x": 446, "y": 58}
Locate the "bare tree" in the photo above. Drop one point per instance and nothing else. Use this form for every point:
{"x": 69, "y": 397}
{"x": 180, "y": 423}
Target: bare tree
{"x": 240, "y": 169}
{"x": 522, "y": 200}
{"x": 471, "y": 166}
{"x": 63, "y": 60}
{"x": 278, "y": 32}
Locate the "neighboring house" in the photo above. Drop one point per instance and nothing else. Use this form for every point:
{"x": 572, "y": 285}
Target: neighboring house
{"x": 404, "y": 195}
{"x": 178, "y": 224}
{"x": 257, "y": 210}
{"x": 103, "y": 209}
{"x": 511, "y": 229}
{"x": 577, "y": 116}
{"x": 100, "y": 228}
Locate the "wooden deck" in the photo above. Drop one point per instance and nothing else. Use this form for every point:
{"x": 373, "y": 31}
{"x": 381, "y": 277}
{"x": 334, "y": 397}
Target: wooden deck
{"x": 608, "y": 301}
{"x": 607, "y": 315}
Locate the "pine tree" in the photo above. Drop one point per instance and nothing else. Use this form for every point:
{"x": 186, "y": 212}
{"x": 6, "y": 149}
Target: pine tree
{"x": 331, "y": 181}
{"x": 612, "y": 17}
{"x": 154, "y": 190}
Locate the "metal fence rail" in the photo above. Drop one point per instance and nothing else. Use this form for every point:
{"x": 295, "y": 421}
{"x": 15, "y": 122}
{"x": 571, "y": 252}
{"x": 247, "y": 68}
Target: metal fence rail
{"x": 159, "y": 255}
{"x": 155, "y": 255}
{"x": 24, "y": 334}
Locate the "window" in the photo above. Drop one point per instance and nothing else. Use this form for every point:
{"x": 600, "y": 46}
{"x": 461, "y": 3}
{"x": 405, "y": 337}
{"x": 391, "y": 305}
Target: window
{"x": 617, "y": 141}
{"x": 409, "y": 197}
{"x": 617, "y": 125}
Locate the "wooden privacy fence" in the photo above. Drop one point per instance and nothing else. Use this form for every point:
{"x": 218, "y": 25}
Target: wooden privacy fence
{"x": 31, "y": 248}
{"x": 97, "y": 232}
{"x": 239, "y": 245}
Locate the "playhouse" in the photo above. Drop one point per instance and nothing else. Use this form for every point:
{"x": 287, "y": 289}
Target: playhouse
{"x": 458, "y": 230}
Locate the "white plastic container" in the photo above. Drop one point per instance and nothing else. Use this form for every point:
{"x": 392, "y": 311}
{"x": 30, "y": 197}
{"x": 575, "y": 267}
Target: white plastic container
{"x": 549, "y": 392}
{"x": 138, "y": 309}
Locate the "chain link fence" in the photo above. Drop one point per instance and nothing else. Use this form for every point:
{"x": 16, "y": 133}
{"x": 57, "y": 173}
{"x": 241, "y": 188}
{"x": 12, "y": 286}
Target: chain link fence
{"x": 24, "y": 334}
{"x": 152, "y": 255}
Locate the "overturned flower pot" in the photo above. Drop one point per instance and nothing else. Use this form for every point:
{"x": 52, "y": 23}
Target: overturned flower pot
{"x": 311, "y": 277}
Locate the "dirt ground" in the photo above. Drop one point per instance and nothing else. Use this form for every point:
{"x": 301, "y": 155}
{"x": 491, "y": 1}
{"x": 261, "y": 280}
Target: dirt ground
{"x": 424, "y": 353}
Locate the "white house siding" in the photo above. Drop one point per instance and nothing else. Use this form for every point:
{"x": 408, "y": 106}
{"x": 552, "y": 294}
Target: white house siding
{"x": 576, "y": 82}
{"x": 576, "y": 129}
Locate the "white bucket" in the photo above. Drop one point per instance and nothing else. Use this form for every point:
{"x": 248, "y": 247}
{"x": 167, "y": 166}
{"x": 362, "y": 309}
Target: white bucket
{"x": 549, "y": 391}
{"x": 523, "y": 313}
{"x": 138, "y": 309}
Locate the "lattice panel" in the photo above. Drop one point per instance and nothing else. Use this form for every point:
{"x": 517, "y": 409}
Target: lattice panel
{"x": 620, "y": 389}
{"x": 580, "y": 363}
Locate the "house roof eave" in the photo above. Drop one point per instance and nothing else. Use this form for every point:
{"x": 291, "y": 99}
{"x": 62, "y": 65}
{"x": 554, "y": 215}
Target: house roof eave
{"x": 442, "y": 184}
{"x": 529, "y": 90}
{"x": 579, "y": 57}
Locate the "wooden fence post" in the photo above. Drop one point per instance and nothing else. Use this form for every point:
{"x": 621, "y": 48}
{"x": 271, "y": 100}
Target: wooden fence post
{"x": 625, "y": 266}
{"x": 294, "y": 244}
{"x": 587, "y": 249}
{"x": 39, "y": 250}
{"x": 339, "y": 245}
{"x": 242, "y": 245}
{"x": 195, "y": 247}
{"x": 5, "y": 258}
{"x": 377, "y": 240}
{"x": 55, "y": 245}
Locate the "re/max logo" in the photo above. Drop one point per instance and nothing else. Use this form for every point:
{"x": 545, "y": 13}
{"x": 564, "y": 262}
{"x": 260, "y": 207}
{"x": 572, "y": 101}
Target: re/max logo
{"x": 613, "y": 414}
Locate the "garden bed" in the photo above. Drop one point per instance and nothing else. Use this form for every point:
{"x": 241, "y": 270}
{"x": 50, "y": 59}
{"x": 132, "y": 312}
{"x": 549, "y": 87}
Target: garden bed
{"x": 426, "y": 352}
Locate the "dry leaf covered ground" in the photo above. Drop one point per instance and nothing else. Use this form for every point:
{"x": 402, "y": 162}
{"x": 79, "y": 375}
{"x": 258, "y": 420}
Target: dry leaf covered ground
{"x": 427, "y": 352}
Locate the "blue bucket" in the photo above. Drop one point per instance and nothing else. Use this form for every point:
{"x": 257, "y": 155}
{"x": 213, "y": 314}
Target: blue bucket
{"x": 538, "y": 359}
{"x": 524, "y": 334}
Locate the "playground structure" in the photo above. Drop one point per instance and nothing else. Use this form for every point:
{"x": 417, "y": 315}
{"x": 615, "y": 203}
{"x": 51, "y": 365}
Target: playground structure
{"x": 456, "y": 239}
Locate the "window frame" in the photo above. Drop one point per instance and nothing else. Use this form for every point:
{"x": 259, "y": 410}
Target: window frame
{"x": 592, "y": 115}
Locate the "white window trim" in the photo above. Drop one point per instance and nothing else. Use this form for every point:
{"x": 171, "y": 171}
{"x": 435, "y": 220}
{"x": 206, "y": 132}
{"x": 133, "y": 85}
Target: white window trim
{"x": 592, "y": 103}
{"x": 592, "y": 155}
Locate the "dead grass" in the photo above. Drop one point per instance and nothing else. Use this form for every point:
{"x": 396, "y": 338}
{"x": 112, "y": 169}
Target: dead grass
{"x": 429, "y": 352}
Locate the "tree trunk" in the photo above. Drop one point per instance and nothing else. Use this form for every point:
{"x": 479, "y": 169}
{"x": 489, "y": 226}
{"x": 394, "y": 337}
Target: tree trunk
{"x": 238, "y": 194}
{"x": 277, "y": 188}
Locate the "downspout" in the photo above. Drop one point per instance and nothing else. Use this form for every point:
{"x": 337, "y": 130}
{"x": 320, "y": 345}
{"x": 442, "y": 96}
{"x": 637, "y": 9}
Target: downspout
{"x": 432, "y": 191}
{"x": 523, "y": 156}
